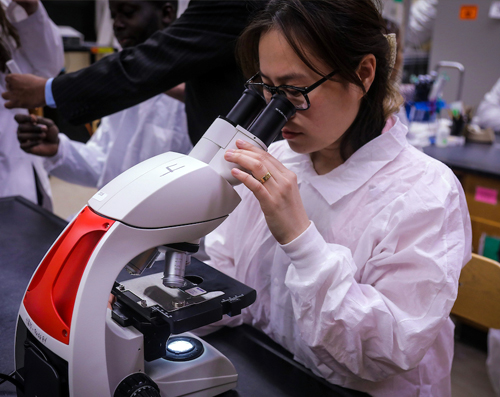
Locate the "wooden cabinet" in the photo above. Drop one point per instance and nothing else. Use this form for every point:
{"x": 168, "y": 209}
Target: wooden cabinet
{"x": 483, "y": 199}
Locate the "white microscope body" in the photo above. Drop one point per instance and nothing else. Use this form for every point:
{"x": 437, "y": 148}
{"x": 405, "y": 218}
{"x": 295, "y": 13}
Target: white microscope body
{"x": 68, "y": 343}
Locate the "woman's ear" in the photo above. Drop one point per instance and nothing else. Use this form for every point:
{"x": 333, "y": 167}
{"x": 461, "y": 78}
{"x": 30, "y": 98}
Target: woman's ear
{"x": 169, "y": 14}
{"x": 366, "y": 70}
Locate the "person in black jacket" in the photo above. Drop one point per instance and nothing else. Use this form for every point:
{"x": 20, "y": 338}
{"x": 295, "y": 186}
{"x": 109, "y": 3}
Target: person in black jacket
{"x": 197, "y": 49}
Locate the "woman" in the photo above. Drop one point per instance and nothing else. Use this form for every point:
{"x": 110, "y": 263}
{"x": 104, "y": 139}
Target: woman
{"x": 356, "y": 240}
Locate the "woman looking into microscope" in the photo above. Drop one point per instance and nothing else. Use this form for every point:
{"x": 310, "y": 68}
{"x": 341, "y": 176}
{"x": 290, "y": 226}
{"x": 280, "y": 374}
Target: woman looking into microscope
{"x": 353, "y": 239}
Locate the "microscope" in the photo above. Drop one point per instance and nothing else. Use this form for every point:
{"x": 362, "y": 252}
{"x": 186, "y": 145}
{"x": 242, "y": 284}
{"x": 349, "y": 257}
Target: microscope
{"x": 70, "y": 344}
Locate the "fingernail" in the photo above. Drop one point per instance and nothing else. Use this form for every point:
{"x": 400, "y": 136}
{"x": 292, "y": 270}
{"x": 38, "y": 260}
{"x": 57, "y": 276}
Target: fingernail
{"x": 240, "y": 142}
{"x": 229, "y": 153}
{"x": 236, "y": 171}
{"x": 43, "y": 127}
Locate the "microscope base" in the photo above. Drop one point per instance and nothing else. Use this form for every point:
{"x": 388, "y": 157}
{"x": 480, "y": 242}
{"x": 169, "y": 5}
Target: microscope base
{"x": 208, "y": 375}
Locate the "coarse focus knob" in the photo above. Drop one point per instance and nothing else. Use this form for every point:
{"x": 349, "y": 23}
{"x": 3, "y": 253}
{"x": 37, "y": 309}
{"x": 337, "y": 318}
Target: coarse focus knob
{"x": 137, "y": 385}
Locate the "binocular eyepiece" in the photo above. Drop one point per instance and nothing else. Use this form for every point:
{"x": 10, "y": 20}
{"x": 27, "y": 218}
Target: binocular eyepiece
{"x": 261, "y": 122}
{"x": 265, "y": 121}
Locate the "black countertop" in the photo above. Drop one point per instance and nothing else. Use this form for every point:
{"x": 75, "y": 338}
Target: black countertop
{"x": 480, "y": 158}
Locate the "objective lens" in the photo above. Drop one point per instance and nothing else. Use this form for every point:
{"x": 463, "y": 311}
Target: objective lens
{"x": 175, "y": 267}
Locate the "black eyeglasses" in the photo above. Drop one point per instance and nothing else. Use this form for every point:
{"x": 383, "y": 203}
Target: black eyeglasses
{"x": 296, "y": 95}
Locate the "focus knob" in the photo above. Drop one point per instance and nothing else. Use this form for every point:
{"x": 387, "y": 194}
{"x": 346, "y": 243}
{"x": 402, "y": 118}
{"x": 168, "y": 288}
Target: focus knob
{"x": 137, "y": 385}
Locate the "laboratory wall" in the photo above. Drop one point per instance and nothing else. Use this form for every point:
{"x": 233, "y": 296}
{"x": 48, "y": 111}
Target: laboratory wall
{"x": 466, "y": 32}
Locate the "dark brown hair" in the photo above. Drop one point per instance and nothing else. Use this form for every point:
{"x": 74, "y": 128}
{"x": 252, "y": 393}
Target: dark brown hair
{"x": 339, "y": 33}
{"x": 8, "y": 31}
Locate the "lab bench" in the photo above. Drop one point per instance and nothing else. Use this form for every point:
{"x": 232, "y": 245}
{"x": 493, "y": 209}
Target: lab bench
{"x": 265, "y": 369}
{"x": 477, "y": 166}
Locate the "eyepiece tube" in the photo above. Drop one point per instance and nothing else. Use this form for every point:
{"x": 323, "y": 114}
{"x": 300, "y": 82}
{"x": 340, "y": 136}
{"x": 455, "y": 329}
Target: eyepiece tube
{"x": 246, "y": 109}
{"x": 272, "y": 119}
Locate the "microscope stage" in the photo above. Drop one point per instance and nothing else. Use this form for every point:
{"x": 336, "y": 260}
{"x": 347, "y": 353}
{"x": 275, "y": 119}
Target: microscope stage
{"x": 206, "y": 296}
{"x": 150, "y": 291}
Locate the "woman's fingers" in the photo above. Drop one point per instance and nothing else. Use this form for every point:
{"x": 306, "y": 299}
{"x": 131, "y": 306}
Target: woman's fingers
{"x": 256, "y": 187}
{"x": 258, "y": 153}
{"x": 274, "y": 186}
{"x": 256, "y": 165}
{"x": 255, "y": 160}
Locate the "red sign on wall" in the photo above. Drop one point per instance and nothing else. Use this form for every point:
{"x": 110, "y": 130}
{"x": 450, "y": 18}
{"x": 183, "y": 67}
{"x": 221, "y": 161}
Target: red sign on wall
{"x": 468, "y": 12}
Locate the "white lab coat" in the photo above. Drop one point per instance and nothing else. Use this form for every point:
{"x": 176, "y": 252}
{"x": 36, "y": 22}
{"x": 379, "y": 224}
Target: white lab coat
{"x": 421, "y": 23}
{"x": 488, "y": 116}
{"x": 488, "y": 111}
{"x": 363, "y": 296}
{"x": 123, "y": 140}
{"x": 41, "y": 53}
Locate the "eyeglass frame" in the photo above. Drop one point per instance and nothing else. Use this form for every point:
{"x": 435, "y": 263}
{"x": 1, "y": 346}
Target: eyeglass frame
{"x": 303, "y": 90}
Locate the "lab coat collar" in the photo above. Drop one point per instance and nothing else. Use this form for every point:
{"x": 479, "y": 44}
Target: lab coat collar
{"x": 357, "y": 170}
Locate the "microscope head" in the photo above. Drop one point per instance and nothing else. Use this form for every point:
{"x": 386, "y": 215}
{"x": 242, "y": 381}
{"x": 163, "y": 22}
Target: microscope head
{"x": 250, "y": 120}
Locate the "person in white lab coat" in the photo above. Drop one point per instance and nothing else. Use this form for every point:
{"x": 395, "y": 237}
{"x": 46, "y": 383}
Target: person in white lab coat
{"x": 353, "y": 239}
{"x": 34, "y": 43}
{"x": 421, "y": 23}
{"x": 488, "y": 116}
{"x": 488, "y": 111}
{"x": 123, "y": 139}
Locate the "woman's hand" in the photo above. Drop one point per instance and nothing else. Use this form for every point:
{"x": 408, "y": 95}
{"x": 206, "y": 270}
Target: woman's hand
{"x": 278, "y": 196}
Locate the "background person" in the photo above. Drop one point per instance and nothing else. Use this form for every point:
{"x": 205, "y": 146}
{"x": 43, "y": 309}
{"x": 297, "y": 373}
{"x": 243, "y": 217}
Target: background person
{"x": 123, "y": 139}
{"x": 35, "y": 45}
{"x": 421, "y": 23}
{"x": 197, "y": 49}
{"x": 355, "y": 240}
{"x": 488, "y": 111}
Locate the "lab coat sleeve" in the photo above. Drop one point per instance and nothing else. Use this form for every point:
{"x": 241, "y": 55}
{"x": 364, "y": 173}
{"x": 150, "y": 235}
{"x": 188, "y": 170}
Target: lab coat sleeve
{"x": 41, "y": 43}
{"x": 421, "y": 23}
{"x": 80, "y": 163}
{"x": 385, "y": 322}
{"x": 488, "y": 112}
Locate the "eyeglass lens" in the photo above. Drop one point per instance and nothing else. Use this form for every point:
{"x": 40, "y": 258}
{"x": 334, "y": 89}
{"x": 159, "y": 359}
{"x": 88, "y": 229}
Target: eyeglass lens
{"x": 293, "y": 95}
